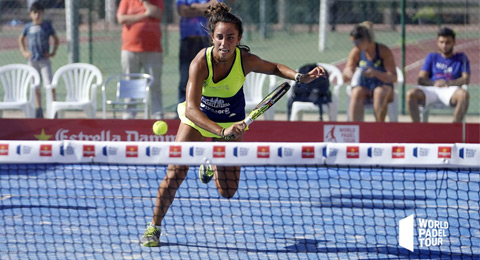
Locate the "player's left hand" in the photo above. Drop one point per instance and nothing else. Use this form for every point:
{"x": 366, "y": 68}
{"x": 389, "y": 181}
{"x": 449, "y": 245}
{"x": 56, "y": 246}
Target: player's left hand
{"x": 316, "y": 73}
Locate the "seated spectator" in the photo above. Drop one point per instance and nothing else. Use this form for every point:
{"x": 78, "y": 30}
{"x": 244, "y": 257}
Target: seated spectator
{"x": 378, "y": 73}
{"x": 440, "y": 79}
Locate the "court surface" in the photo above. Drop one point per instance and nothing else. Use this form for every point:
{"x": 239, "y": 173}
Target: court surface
{"x": 52, "y": 211}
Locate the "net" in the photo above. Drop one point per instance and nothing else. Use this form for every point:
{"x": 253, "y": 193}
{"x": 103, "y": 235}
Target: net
{"x": 295, "y": 211}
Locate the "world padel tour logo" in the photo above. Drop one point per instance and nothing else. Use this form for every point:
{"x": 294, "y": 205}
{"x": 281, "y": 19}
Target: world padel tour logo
{"x": 131, "y": 151}
{"x": 308, "y": 152}
{"x": 88, "y": 150}
{"x": 353, "y": 152}
{"x": 175, "y": 151}
{"x": 263, "y": 152}
{"x": 398, "y": 152}
{"x": 218, "y": 151}
{"x": 445, "y": 152}
{"x": 46, "y": 150}
{"x": 429, "y": 232}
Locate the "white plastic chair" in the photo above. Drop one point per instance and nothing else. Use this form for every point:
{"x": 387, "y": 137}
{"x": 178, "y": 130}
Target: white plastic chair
{"x": 425, "y": 111}
{"x": 17, "y": 80}
{"x": 253, "y": 90}
{"x": 135, "y": 87}
{"x": 298, "y": 107}
{"x": 392, "y": 106}
{"x": 81, "y": 81}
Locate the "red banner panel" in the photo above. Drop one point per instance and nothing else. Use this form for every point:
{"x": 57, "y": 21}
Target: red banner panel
{"x": 260, "y": 131}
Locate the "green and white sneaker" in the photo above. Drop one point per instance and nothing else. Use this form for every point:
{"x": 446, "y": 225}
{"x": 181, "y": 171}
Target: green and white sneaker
{"x": 151, "y": 237}
{"x": 206, "y": 172}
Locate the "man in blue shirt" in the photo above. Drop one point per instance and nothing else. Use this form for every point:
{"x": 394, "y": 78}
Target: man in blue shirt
{"x": 440, "y": 79}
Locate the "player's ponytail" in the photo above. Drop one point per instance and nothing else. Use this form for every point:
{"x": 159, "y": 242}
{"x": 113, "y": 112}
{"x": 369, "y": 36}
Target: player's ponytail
{"x": 362, "y": 31}
{"x": 220, "y": 12}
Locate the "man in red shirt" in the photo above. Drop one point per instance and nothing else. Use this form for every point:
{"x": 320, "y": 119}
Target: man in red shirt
{"x": 141, "y": 47}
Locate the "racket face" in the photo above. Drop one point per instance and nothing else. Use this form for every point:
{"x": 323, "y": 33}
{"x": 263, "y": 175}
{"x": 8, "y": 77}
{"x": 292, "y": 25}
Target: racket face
{"x": 274, "y": 96}
{"x": 269, "y": 100}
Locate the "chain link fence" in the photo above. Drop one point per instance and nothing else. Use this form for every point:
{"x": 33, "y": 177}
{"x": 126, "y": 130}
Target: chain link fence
{"x": 284, "y": 31}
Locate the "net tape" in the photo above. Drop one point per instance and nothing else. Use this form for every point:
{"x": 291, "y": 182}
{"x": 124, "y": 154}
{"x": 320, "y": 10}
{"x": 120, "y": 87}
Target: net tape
{"x": 457, "y": 155}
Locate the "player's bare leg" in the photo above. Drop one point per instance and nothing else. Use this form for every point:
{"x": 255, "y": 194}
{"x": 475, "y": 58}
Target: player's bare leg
{"x": 227, "y": 177}
{"x": 166, "y": 191}
{"x": 168, "y": 188}
{"x": 460, "y": 100}
{"x": 415, "y": 98}
{"x": 357, "y": 101}
{"x": 382, "y": 95}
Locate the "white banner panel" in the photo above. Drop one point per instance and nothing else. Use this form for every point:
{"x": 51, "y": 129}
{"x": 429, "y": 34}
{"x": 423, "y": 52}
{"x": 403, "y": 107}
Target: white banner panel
{"x": 223, "y": 153}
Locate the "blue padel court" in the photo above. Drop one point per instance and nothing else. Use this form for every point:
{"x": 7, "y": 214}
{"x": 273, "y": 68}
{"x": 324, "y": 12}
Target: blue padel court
{"x": 75, "y": 211}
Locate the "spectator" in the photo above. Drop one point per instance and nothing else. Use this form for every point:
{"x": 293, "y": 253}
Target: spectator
{"x": 378, "y": 73}
{"x": 38, "y": 54}
{"x": 193, "y": 36}
{"x": 141, "y": 47}
{"x": 440, "y": 77}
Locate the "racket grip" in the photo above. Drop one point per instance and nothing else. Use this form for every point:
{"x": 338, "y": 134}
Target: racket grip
{"x": 248, "y": 121}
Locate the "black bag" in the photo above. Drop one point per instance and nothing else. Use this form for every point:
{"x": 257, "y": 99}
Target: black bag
{"x": 317, "y": 91}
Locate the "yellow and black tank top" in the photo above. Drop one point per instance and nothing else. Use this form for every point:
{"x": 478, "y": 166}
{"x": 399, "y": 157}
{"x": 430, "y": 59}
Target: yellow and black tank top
{"x": 224, "y": 101}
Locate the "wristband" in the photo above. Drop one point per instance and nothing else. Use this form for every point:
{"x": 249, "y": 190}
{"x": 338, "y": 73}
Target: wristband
{"x": 222, "y": 134}
{"x": 297, "y": 78}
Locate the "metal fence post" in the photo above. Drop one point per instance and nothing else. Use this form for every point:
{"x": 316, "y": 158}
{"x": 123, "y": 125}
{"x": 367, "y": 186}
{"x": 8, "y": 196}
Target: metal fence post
{"x": 71, "y": 17}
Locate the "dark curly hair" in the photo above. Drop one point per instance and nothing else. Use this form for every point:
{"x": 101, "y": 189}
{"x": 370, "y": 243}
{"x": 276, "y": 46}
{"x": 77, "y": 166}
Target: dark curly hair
{"x": 220, "y": 12}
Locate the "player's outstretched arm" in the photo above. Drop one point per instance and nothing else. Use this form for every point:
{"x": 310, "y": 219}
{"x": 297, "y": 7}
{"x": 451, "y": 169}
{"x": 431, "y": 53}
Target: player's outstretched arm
{"x": 253, "y": 63}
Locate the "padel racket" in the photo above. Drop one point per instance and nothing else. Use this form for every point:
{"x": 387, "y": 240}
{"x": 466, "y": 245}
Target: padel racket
{"x": 267, "y": 102}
